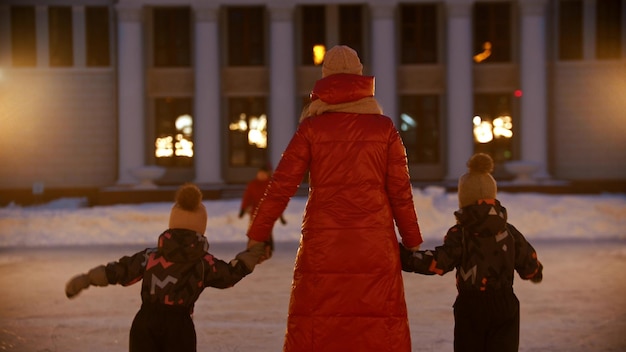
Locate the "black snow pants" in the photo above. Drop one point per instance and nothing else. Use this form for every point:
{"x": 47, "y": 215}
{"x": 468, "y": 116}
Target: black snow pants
{"x": 486, "y": 322}
{"x": 162, "y": 328}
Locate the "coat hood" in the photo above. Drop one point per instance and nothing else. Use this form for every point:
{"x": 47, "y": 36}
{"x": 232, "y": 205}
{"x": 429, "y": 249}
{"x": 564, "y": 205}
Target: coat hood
{"x": 343, "y": 93}
{"x": 180, "y": 245}
{"x": 485, "y": 218}
{"x": 343, "y": 88}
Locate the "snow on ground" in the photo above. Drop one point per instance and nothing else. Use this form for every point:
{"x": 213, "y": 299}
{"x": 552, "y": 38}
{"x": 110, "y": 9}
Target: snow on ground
{"x": 579, "y": 307}
{"x": 66, "y": 222}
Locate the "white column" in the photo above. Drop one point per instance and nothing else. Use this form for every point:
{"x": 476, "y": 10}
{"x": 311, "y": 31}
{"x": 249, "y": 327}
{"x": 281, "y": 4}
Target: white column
{"x": 78, "y": 36}
{"x": 131, "y": 95}
{"x": 43, "y": 36}
{"x": 282, "y": 118}
{"x": 207, "y": 116}
{"x": 383, "y": 51}
{"x": 533, "y": 119}
{"x": 459, "y": 84}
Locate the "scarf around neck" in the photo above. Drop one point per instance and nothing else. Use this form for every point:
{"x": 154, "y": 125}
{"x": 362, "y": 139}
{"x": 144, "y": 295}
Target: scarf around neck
{"x": 343, "y": 93}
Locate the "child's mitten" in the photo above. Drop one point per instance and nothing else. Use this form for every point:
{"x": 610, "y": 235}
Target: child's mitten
{"x": 538, "y": 277}
{"x": 251, "y": 256}
{"x": 96, "y": 277}
{"x": 416, "y": 261}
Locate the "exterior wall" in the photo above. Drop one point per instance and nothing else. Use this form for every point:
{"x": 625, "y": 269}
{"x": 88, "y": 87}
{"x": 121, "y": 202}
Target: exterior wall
{"x": 589, "y": 120}
{"x": 58, "y": 127}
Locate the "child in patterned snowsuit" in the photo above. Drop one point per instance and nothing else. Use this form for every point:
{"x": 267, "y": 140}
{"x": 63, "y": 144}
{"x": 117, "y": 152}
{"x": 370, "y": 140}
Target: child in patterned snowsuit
{"x": 485, "y": 250}
{"x": 174, "y": 275}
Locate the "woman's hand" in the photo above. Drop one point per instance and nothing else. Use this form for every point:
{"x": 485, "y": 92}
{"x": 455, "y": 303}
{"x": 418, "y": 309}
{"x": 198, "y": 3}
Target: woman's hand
{"x": 268, "y": 249}
{"x": 413, "y": 249}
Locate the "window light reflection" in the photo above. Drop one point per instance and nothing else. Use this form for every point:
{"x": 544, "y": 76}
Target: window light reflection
{"x": 407, "y": 122}
{"x": 179, "y": 144}
{"x": 486, "y": 131}
{"x": 256, "y": 128}
{"x": 482, "y": 56}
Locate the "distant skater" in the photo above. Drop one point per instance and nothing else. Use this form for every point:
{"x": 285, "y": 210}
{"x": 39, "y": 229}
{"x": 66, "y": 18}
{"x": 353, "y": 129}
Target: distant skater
{"x": 255, "y": 190}
{"x": 485, "y": 250}
{"x": 173, "y": 276}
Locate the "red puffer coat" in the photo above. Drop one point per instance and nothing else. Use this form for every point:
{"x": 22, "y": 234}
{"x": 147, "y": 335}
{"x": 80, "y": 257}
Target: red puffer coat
{"x": 347, "y": 292}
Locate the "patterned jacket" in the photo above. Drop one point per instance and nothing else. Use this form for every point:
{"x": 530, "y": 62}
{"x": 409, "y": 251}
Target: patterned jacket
{"x": 484, "y": 249}
{"x": 177, "y": 271}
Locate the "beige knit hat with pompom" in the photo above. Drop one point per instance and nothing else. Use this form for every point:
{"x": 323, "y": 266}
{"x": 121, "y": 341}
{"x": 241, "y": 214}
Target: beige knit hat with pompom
{"x": 477, "y": 183}
{"x": 188, "y": 212}
{"x": 341, "y": 59}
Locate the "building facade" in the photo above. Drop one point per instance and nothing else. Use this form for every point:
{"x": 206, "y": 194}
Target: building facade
{"x": 211, "y": 90}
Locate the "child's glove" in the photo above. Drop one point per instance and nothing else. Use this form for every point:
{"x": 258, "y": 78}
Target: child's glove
{"x": 96, "y": 277}
{"x": 250, "y": 257}
{"x": 538, "y": 277}
{"x": 416, "y": 261}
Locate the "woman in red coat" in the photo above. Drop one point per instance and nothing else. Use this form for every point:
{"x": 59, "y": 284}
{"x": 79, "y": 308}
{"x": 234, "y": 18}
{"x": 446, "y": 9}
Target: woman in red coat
{"x": 347, "y": 292}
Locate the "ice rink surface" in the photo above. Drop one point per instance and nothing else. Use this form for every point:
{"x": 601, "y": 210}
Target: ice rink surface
{"x": 579, "y": 307}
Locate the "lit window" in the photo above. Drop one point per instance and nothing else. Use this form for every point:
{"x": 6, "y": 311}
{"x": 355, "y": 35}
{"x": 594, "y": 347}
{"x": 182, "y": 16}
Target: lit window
{"x": 487, "y": 131}
{"x": 173, "y": 142}
{"x": 254, "y": 126}
{"x": 247, "y": 132}
{"x": 493, "y": 125}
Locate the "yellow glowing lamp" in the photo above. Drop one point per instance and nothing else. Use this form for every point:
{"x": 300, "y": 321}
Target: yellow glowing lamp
{"x": 484, "y": 54}
{"x": 319, "y": 51}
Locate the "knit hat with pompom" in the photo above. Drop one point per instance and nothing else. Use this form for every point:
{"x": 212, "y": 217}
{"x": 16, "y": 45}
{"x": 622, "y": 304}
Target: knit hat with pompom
{"x": 341, "y": 59}
{"x": 188, "y": 212}
{"x": 477, "y": 183}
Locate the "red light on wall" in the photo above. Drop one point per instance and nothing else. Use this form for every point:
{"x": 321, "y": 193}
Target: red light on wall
{"x": 518, "y": 93}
